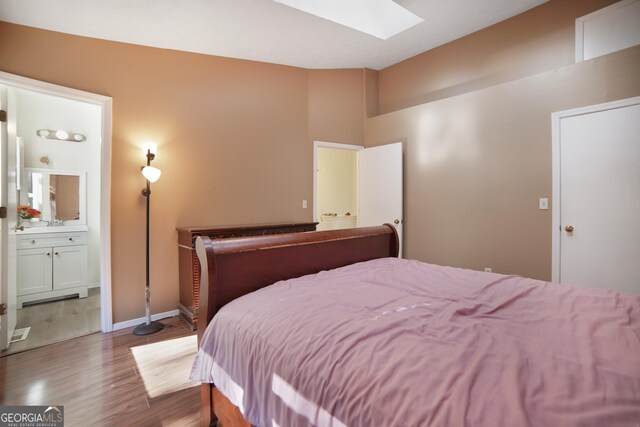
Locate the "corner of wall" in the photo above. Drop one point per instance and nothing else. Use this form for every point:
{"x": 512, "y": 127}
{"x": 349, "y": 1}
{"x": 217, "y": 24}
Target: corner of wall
{"x": 370, "y": 82}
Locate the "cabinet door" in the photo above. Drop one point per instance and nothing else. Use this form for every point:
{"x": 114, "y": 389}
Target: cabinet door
{"x": 69, "y": 267}
{"x": 34, "y": 270}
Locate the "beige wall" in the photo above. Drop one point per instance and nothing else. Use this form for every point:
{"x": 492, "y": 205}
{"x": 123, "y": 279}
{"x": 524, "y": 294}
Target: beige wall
{"x": 234, "y": 142}
{"x": 475, "y": 116}
{"x": 371, "y": 92}
{"x": 235, "y": 137}
{"x": 476, "y": 164}
{"x": 336, "y": 106}
{"x": 538, "y": 40}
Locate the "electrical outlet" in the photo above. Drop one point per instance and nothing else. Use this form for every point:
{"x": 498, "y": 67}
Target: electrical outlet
{"x": 304, "y": 204}
{"x": 487, "y": 269}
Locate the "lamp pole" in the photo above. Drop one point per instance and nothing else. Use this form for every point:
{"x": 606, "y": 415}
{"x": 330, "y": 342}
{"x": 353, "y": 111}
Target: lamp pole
{"x": 148, "y": 327}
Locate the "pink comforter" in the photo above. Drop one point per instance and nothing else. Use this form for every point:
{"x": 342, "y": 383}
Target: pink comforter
{"x": 393, "y": 342}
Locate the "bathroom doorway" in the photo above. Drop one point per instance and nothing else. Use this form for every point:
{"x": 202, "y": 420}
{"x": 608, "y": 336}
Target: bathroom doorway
{"x": 59, "y": 244}
{"x": 336, "y": 174}
{"x": 355, "y": 186}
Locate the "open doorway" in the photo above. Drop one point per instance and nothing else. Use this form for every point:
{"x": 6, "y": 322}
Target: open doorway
{"x": 57, "y": 247}
{"x": 355, "y": 186}
{"x": 336, "y": 189}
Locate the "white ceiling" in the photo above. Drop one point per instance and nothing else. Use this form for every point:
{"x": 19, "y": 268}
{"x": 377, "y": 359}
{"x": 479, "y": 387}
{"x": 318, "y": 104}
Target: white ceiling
{"x": 260, "y": 30}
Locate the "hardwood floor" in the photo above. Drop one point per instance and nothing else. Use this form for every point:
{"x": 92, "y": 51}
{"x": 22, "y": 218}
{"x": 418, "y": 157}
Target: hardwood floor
{"x": 115, "y": 379}
{"x": 57, "y": 321}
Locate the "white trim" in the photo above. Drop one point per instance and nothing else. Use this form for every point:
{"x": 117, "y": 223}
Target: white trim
{"x": 325, "y": 144}
{"x": 556, "y": 209}
{"x": 105, "y": 219}
{"x": 581, "y": 21}
{"x": 140, "y": 320}
{"x": 8, "y": 326}
{"x": 93, "y": 285}
{"x": 337, "y": 145}
{"x": 579, "y": 47}
{"x": 105, "y": 103}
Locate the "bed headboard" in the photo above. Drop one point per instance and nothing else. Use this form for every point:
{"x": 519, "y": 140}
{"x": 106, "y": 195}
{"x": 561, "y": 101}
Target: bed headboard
{"x": 231, "y": 268}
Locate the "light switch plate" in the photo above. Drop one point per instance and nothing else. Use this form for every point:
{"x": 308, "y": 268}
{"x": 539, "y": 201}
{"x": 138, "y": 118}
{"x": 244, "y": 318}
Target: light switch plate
{"x": 544, "y": 203}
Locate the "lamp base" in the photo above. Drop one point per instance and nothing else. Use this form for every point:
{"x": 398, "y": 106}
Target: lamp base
{"x": 145, "y": 329}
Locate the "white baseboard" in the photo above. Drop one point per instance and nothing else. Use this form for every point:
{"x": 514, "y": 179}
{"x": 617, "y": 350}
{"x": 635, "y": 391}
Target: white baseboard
{"x": 136, "y": 322}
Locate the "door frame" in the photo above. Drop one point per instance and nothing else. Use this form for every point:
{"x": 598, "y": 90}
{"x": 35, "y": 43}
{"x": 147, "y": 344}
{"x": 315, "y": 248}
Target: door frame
{"x": 325, "y": 144}
{"x": 105, "y": 103}
{"x": 8, "y": 320}
{"x": 556, "y": 209}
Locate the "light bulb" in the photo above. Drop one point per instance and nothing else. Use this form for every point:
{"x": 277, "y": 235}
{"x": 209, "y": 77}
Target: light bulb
{"x": 43, "y": 133}
{"x": 60, "y": 134}
{"x": 152, "y": 174}
{"x": 150, "y": 146}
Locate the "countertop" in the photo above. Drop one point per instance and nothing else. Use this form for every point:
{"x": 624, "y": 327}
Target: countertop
{"x": 54, "y": 229}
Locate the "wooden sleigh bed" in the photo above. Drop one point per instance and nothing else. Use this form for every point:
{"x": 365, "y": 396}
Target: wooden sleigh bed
{"x": 235, "y": 267}
{"x": 485, "y": 349}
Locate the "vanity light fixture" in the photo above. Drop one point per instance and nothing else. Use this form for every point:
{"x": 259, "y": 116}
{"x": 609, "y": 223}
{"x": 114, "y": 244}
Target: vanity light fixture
{"x": 151, "y": 174}
{"x": 61, "y": 135}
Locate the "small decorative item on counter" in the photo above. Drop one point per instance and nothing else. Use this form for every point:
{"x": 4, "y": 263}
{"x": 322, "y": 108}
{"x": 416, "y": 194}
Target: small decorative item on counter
{"x": 27, "y": 212}
{"x": 330, "y": 214}
{"x": 347, "y": 214}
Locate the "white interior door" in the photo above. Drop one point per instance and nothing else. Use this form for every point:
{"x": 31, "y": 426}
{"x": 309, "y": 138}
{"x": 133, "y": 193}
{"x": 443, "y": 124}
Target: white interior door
{"x": 7, "y": 287}
{"x": 597, "y": 228}
{"x": 380, "y": 187}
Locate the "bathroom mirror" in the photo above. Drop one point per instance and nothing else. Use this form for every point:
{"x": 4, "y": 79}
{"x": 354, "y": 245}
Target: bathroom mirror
{"x": 58, "y": 195}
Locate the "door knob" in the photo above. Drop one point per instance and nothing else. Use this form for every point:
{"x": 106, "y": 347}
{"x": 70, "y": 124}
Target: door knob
{"x": 568, "y": 228}
{"x": 396, "y": 221}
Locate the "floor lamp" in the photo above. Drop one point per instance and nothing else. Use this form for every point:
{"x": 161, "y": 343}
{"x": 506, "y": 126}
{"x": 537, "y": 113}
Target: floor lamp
{"x": 151, "y": 174}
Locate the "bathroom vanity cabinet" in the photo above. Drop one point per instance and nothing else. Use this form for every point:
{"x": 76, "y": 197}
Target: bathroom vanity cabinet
{"x": 51, "y": 264}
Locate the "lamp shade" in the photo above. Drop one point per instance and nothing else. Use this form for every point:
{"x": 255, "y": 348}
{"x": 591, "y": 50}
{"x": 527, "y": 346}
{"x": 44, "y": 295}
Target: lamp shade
{"x": 152, "y": 174}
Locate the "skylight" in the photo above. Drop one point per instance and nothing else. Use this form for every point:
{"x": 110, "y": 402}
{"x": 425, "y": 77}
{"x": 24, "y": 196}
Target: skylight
{"x": 379, "y": 18}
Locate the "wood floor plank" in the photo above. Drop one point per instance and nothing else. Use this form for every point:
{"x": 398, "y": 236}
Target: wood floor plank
{"x": 96, "y": 378}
